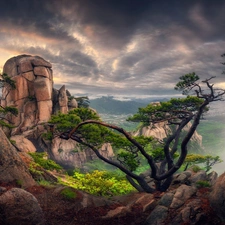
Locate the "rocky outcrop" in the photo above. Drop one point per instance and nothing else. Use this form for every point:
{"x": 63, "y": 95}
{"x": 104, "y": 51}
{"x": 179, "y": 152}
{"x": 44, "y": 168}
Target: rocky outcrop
{"x": 161, "y": 130}
{"x": 68, "y": 153}
{"x": 23, "y": 144}
{"x": 12, "y": 168}
{"x": 18, "y": 206}
{"x": 34, "y": 95}
{"x": 217, "y": 197}
{"x": 37, "y": 101}
{"x": 181, "y": 204}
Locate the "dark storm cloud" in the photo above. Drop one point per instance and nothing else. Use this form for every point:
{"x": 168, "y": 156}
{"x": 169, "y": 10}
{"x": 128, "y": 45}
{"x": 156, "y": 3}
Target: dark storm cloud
{"x": 120, "y": 46}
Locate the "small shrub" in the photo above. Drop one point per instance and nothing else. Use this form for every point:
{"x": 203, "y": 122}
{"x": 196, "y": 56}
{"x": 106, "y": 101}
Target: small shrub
{"x": 196, "y": 168}
{"x": 101, "y": 183}
{"x": 47, "y": 136}
{"x": 19, "y": 183}
{"x": 33, "y": 168}
{"x": 70, "y": 172}
{"x": 68, "y": 193}
{"x": 48, "y": 164}
{"x": 13, "y": 142}
{"x": 45, "y": 183}
{"x": 202, "y": 183}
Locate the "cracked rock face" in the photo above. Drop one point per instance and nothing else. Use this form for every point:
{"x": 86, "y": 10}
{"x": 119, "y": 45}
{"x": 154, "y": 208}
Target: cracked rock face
{"x": 33, "y": 93}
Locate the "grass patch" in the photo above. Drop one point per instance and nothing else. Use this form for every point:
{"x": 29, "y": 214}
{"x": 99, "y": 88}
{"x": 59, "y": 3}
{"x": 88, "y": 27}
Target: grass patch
{"x": 99, "y": 183}
{"x": 68, "y": 193}
{"x": 45, "y": 183}
{"x": 196, "y": 168}
{"x": 202, "y": 183}
{"x": 43, "y": 161}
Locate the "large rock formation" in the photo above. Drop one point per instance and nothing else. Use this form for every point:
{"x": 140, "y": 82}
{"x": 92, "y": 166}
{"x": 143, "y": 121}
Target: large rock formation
{"x": 68, "y": 154}
{"x": 33, "y": 93}
{"x": 34, "y": 96}
{"x": 37, "y": 100}
{"x": 12, "y": 168}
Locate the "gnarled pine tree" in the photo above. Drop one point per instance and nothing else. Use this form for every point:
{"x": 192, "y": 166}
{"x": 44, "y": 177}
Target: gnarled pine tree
{"x": 85, "y": 127}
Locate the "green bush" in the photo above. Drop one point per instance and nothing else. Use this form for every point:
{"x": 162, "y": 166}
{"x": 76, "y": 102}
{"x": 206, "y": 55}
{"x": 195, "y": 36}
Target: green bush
{"x": 100, "y": 183}
{"x": 45, "y": 183}
{"x": 47, "y": 136}
{"x": 43, "y": 161}
{"x": 196, "y": 168}
{"x": 33, "y": 168}
{"x": 202, "y": 183}
{"x": 68, "y": 193}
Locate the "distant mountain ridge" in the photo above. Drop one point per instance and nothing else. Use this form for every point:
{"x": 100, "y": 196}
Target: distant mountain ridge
{"x": 109, "y": 105}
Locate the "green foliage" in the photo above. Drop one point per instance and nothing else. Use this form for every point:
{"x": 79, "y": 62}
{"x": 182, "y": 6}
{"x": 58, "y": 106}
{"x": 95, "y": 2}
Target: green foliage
{"x": 34, "y": 169}
{"x": 19, "y": 183}
{"x": 12, "y": 110}
{"x": 68, "y": 193}
{"x": 186, "y": 82}
{"x": 203, "y": 183}
{"x": 128, "y": 159}
{"x": 5, "y": 79}
{"x": 68, "y": 121}
{"x": 176, "y": 108}
{"x": 45, "y": 183}
{"x": 196, "y": 168}
{"x": 87, "y": 129}
{"x": 101, "y": 183}
{"x": 13, "y": 142}
{"x": 5, "y": 124}
{"x": 41, "y": 159}
{"x": 207, "y": 160}
{"x": 47, "y": 135}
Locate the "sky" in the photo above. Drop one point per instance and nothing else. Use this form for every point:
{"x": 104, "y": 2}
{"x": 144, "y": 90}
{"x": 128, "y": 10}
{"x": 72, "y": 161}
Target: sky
{"x": 117, "y": 47}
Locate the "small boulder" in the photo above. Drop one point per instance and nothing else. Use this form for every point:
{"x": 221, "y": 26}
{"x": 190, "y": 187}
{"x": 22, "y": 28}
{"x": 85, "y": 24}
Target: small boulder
{"x": 20, "y": 207}
{"x": 201, "y": 175}
{"x": 157, "y": 216}
{"x": 182, "y": 193}
{"x": 23, "y": 144}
